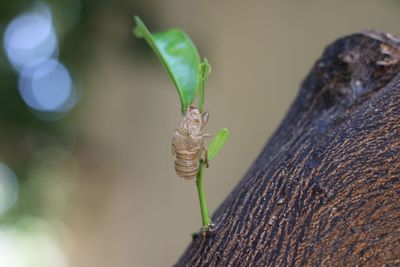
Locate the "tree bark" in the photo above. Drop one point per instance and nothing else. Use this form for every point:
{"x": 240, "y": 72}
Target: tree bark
{"x": 325, "y": 191}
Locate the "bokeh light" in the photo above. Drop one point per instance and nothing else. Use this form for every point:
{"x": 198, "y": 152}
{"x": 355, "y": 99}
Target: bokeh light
{"x": 8, "y": 188}
{"x": 31, "y": 45}
{"x": 47, "y": 87}
{"x": 31, "y": 244}
{"x": 30, "y": 38}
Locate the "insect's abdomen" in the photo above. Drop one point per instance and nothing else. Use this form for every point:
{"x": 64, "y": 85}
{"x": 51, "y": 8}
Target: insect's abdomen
{"x": 187, "y": 164}
{"x": 187, "y": 151}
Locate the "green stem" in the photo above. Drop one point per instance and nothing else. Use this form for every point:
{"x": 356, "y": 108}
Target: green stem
{"x": 201, "y": 96}
{"x": 205, "y": 217}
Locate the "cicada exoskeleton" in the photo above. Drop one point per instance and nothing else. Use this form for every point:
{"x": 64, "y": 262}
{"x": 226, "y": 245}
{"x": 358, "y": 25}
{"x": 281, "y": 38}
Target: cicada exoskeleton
{"x": 188, "y": 143}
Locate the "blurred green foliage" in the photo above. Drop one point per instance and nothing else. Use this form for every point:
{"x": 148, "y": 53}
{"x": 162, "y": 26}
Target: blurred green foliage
{"x": 17, "y": 121}
{"x": 24, "y": 137}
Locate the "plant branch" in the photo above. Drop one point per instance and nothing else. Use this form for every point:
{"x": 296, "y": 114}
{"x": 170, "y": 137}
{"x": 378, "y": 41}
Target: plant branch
{"x": 205, "y": 217}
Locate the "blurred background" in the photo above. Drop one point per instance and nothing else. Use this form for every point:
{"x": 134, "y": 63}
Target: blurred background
{"x": 87, "y": 114}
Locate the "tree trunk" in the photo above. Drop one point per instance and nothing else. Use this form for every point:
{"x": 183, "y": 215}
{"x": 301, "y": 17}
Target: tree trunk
{"x": 325, "y": 191}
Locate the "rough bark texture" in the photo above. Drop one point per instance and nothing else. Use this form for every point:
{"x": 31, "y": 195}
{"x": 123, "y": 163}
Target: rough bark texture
{"x": 325, "y": 191}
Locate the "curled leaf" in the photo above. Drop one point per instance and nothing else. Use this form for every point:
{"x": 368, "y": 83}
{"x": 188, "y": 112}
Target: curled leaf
{"x": 215, "y": 146}
{"x": 205, "y": 68}
{"x": 179, "y": 56}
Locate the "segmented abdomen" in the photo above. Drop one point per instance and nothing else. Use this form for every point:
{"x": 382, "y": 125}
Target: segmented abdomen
{"x": 187, "y": 151}
{"x": 187, "y": 164}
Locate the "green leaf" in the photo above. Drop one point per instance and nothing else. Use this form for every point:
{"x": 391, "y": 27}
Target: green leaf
{"x": 215, "y": 146}
{"x": 179, "y": 56}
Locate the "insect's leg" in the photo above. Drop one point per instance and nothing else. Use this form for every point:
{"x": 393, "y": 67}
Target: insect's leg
{"x": 206, "y": 157}
{"x": 207, "y": 135}
{"x": 173, "y": 148}
{"x": 204, "y": 117}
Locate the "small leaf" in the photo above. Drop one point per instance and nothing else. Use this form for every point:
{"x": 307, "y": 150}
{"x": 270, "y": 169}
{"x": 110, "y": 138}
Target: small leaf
{"x": 217, "y": 143}
{"x": 179, "y": 56}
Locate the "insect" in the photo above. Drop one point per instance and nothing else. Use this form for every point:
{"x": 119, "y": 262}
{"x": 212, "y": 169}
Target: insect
{"x": 188, "y": 143}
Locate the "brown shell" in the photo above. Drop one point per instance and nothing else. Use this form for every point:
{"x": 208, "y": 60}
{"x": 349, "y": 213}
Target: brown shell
{"x": 188, "y": 144}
